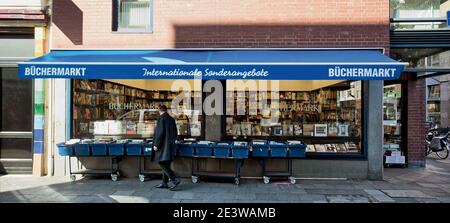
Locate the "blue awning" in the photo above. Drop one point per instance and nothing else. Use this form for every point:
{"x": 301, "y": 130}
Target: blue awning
{"x": 267, "y": 64}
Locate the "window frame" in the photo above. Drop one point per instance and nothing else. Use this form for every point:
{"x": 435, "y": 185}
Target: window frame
{"x": 115, "y": 21}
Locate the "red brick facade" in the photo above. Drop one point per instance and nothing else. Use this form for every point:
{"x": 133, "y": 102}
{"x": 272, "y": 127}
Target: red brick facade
{"x": 234, "y": 23}
{"x": 416, "y": 121}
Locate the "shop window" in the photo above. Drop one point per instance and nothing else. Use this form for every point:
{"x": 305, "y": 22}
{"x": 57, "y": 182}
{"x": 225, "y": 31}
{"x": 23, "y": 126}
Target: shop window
{"x": 392, "y": 118}
{"x": 105, "y": 109}
{"x": 328, "y": 117}
{"x": 434, "y": 92}
{"x": 132, "y": 15}
{"x": 419, "y": 10}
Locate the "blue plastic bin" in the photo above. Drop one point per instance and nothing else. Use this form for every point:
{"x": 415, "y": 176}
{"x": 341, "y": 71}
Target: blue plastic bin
{"x": 134, "y": 148}
{"x": 222, "y": 150}
{"x": 82, "y": 149}
{"x": 99, "y": 149}
{"x": 65, "y": 150}
{"x": 278, "y": 149}
{"x": 147, "y": 148}
{"x": 186, "y": 149}
{"x": 116, "y": 149}
{"x": 298, "y": 151}
{"x": 239, "y": 151}
{"x": 204, "y": 149}
{"x": 260, "y": 150}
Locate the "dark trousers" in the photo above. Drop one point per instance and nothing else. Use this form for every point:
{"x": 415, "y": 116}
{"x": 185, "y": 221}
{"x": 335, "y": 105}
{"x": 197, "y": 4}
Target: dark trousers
{"x": 167, "y": 173}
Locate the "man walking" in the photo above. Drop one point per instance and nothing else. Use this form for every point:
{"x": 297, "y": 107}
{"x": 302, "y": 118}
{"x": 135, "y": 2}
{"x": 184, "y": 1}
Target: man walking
{"x": 164, "y": 143}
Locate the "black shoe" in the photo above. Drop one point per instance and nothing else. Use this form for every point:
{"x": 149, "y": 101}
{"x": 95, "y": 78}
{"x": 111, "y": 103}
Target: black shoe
{"x": 175, "y": 183}
{"x": 162, "y": 186}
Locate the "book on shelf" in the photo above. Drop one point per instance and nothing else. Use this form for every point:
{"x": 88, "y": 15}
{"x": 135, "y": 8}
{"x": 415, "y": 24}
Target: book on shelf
{"x": 298, "y": 130}
{"x": 322, "y": 148}
{"x": 332, "y": 129}
{"x": 342, "y": 130}
{"x": 84, "y": 127}
{"x": 266, "y": 131}
{"x": 288, "y": 130}
{"x": 331, "y": 148}
{"x": 340, "y": 147}
{"x": 246, "y": 128}
{"x": 91, "y": 127}
{"x": 277, "y": 130}
{"x": 308, "y": 129}
{"x": 131, "y": 128}
{"x": 320, "y": 130}
{"x": 195, "y": 129}
{"x": 351, "y": 146}
{"x": 310, "y": 148}
{"x": 256, "y": 130}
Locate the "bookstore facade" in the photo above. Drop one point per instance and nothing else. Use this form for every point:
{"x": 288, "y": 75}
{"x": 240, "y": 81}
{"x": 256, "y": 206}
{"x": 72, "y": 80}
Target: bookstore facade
{"x": 330, "y": 115}
{"x": 336, "y": 110}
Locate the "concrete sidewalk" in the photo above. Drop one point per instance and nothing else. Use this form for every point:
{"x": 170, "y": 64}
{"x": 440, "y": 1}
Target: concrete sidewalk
{"x": 431, "y": 184}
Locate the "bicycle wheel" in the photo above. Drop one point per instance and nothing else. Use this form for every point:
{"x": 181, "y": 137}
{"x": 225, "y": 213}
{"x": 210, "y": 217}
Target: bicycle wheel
{"x": 443, "y": 154}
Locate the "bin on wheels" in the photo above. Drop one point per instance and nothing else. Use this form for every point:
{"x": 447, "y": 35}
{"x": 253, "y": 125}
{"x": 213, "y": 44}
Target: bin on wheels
{"x": 204, "y": 148}
{"x": 260, "y": 148}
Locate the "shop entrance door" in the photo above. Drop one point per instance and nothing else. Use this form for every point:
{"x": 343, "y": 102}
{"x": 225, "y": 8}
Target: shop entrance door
{"x": 15, "y": 123}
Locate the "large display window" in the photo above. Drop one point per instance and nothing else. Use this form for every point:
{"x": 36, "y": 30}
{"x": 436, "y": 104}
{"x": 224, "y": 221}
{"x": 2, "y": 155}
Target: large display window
{"x": 102, "y": 108}
{"x": 327, "y": 116}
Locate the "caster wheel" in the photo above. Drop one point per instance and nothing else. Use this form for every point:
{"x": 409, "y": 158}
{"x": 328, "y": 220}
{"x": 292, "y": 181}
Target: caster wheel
{"x": 236, "y": 181}
{"x": 266, "y": 180}
{"x": 194, "y": 179}
{"x": 73, "y": 178}
{"x": 292, "y": 180}
{"x": 141, "y": 178}
{"x": 114, "y": 177}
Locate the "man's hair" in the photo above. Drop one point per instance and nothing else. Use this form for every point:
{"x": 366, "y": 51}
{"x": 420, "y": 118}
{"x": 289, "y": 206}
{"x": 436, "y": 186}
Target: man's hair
{"x": 163, "y": 108}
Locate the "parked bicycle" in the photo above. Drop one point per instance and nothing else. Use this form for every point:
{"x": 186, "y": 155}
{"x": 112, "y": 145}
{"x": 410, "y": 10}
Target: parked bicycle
{"x": 438, "y": 142}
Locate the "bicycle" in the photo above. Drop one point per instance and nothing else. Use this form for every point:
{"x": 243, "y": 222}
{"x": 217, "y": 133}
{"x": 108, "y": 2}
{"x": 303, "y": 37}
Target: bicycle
{"x": 438, "y": 142}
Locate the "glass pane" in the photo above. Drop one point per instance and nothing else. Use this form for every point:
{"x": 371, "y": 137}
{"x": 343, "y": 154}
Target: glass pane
{"x": 105, "y": 109}
{"x": 15, "y": 148}
{"x": 16, "y": 100}
{"x": 392, "y": 120}
{"x": 327, "y": 116}
{"x": 424, "y": 57}
{"x": 408, "y": 9}
{"x": 415, "y": 8}
{"x": 434, "y": 92}
{"x": 134, "y": 14}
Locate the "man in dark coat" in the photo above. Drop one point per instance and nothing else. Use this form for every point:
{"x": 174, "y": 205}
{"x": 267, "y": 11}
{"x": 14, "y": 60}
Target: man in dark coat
{"x": 164, "y": 144}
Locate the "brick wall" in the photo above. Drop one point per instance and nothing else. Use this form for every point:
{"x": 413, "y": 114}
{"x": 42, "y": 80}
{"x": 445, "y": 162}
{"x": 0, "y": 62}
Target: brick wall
{"x": 233, "y": 23}
{"x": 416, "y": 121}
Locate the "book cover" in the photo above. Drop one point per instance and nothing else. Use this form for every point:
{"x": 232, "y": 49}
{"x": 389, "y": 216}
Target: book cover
{"x": 308, "y": 129}
{"x": 320, "y": 130}
{"x": 298, "y": 131}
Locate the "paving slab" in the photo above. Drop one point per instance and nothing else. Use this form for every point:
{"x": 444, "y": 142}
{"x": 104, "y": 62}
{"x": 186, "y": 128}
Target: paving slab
{"x": 379, "y": 196}
{"x": 405, "y": 193}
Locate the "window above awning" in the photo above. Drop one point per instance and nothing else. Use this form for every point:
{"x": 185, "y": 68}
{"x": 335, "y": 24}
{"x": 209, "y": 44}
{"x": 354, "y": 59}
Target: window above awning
{"x": 264, "y": 64}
